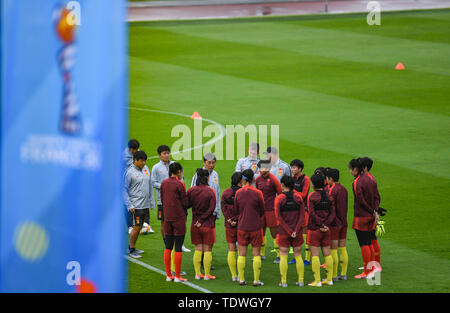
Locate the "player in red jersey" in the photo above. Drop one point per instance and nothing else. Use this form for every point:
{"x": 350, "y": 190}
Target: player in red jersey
{"x": 270, "y": 188}
{"x": 321, "y": 215}
{"x": 231, "y": 216}
{"x": 339, "y": 226}
{"x": 290, "y": 213}
{"x": 202, "y": 199}
{"x": 249, "y": 202}
{"x": 367, "y": 166}
{"x": 175, "y": 202}
{"x": 365, "y": 213}
{"x": 301, "y": 186}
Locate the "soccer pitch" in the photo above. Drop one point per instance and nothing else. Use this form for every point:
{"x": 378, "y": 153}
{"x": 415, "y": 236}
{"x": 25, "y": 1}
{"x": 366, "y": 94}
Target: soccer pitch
{"x": 329, "y": 83}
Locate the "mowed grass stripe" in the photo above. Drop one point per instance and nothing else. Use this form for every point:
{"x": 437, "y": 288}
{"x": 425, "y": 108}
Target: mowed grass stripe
{"x": 417, "y": 134}
{"x": 318, "y": 63}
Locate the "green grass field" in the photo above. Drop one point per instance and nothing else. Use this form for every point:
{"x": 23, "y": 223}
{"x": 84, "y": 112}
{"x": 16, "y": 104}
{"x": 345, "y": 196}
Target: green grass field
{"x": 329, "y": 83}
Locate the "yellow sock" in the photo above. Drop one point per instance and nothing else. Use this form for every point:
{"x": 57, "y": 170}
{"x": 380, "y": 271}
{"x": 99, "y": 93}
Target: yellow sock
{"x": 334, "y": 255}
{"x": 316, "y": 268}
{"x": 232, "y": 263}
{"x": 329, "y": 260}
{"x": 307, "y": 252}
{"x": 263, "y": 247}
{"x": 276, "y": 247}
{"x": 172, "y": 258}
{"x": 197, "y": 262}
{"x": 344, "y": 260}
{"x": 300, "y": 268}
{"x": 283, "y": 268}
{"x": 256, "y": 267}
{"x": 207, "y": 261}
{"x": 241, "y": 267}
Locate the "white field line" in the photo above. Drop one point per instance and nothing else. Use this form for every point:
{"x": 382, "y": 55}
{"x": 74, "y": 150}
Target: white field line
{"x": 164, "y": 274}
{"x": 210, "y": 142}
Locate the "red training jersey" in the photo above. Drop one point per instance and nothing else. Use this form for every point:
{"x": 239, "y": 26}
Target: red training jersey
{"x": 174, "y": 199}
{"x": 340, "y": 198}
{"x": 249, "y": 202}
{"x": 318, "y": 216}
{"x": 270, "y": 187}
{"x": 228, "y": 208}
{"x": 290, "y": 213}
{"x": 202, "y": 199}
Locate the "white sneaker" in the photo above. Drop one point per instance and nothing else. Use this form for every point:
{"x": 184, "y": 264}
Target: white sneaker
{"x": 235, "y": 278}
{"x": 283, "y": 285}
{"x": 135, "y": 255}
{"x": 169, "y": 278}
{"x": 138, "y": 251}
{"x": 150, "y": 230}
{"x": 185, "y": 249}
{"x": 300, "y": 284}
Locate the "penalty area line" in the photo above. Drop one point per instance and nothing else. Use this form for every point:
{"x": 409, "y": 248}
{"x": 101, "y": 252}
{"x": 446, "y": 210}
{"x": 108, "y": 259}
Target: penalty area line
{"x": 157, "y": 270}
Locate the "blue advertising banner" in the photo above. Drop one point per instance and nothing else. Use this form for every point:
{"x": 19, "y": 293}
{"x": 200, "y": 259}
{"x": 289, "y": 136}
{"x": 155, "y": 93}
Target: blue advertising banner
{"x": 63, "y": 127}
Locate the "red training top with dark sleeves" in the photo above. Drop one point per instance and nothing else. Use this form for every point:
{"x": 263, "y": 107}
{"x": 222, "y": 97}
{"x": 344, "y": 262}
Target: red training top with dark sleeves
{"x": 249, "y": 202}
{"x": 228, "y": 209}
{"x": 174, "y": 199}
{"x": 302, "y": 185}
{"x": 270, "y": 187}
{"x": 367, "y": 201}
{"x": 202, "y": 200}
{"x": 319, "y": 218}
{"x": 340, "y": 198}
{"x": 292, "y": 220}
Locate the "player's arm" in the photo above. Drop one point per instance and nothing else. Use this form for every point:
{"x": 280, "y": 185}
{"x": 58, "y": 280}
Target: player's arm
{"x": 151, "y": 192}
{"x": 155, "y": 178}
{"x": 183, "y": 196}
{"x": 211, "y": 207}
{"x": 126, "y": 191}
{"x": 360, "y": 197}
{"x": 306, "y": 186}
{"x": 300, "y": 221}
{"x": 238, "y": 167}
{"x": 277, "y": 185}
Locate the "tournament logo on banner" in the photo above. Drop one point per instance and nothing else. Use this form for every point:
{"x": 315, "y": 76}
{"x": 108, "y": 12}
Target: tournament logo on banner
{"x": 63, "y": 127}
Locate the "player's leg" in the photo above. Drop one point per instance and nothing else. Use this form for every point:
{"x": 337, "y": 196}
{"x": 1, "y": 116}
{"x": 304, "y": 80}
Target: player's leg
{"x": 243, "y": 243}
{"x": 299, "y": 264}
{"x": 207, "y": 261}
{"x": 329, "y": 261}
{"x": 256, "y": 241}
{"x": 169, "y": 242}
{"x": 284, "y": 251}
{"x": 334, "y": 253}
{"x": 197, "y": 259}
{"x": 179, "y": 240}
{"x": 364, "y": 243}
{"x": 231, "y": 236}
{"x": 315, "y": 261}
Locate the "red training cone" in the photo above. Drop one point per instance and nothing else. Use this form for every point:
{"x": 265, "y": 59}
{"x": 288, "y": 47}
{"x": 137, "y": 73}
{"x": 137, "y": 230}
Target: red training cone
{"x": 400, "y": 66}
{"x": 196, "y": 116}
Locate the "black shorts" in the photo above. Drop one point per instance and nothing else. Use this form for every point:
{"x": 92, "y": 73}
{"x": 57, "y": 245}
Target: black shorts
{"x": 363, "y": 237}
{"x": 160, "y": 213}
{"x": 372, "y": 235}
{"x": 138, "y": 217}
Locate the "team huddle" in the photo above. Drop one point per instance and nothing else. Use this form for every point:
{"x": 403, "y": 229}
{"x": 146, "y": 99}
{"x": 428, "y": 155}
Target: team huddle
{"x": 264, "y": 193}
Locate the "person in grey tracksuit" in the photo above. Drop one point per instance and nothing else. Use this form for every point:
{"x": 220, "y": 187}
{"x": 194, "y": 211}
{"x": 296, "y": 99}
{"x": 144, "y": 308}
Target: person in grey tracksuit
{"x": 279, "y": 168}
{"x": 209, "y": 162}
{"x": 137, "y": 193}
